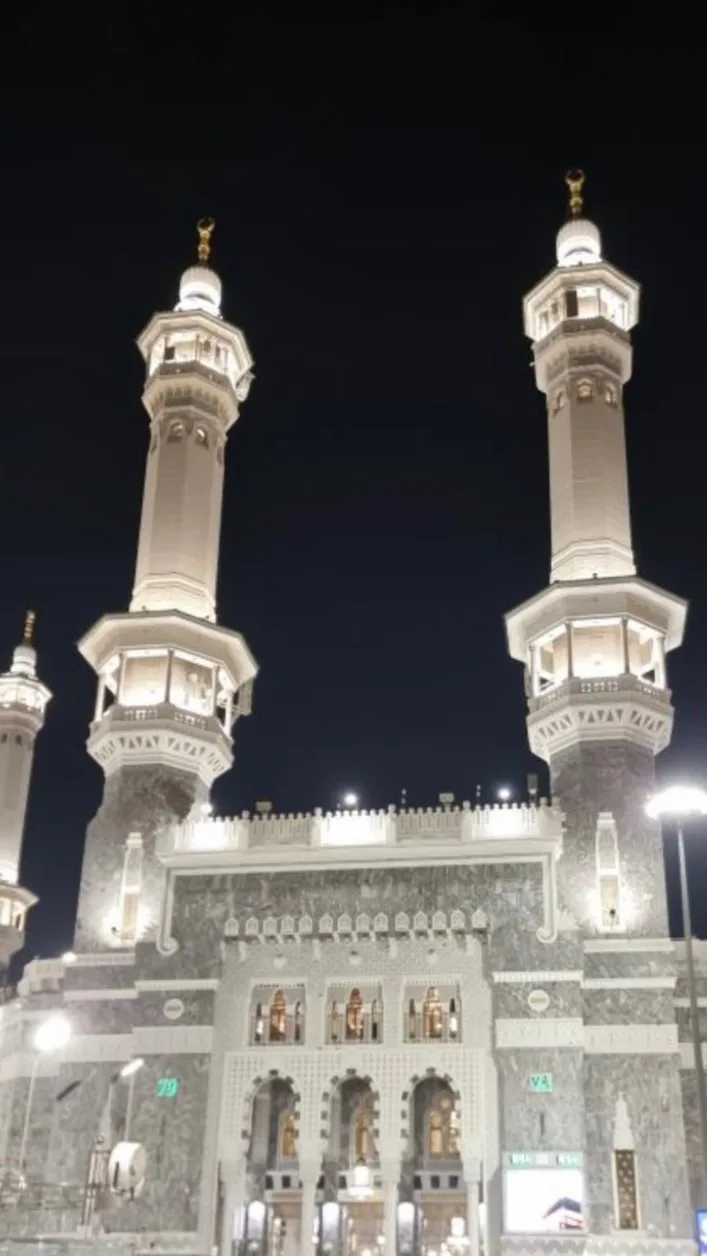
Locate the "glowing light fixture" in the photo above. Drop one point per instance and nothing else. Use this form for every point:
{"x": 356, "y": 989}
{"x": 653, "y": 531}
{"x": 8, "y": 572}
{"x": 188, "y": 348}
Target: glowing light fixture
{"x": 53, "y": 1033}
{"x": 132, "y": 1067}
{"x": 350, "y": 799}
{"x": 504, "y": 793}
{"x": 69, "y": 957}
{"x": 678, "y": 801}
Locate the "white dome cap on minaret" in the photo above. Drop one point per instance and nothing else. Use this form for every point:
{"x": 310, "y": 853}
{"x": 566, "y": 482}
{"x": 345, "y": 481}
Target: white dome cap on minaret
{"x": 578, "y": 241}
{"x": 200, "y": 287}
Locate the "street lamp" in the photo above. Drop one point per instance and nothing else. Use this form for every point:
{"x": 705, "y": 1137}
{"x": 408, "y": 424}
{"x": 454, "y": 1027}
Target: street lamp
{"x": 680, "y": 803}
{"x": 51, "y": 1035}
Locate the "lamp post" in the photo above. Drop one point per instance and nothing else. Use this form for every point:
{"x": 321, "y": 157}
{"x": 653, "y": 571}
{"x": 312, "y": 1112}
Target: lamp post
{"x": 680, "y": 803}
{"x": 51, "y": 1035}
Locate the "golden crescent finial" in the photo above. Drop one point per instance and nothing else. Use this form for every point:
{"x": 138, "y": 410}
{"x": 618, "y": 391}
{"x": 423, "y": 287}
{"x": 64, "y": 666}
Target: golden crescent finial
{"x": 205, "y": 227}
{"x": 28, "y": 633}
{"x": 575, "y": 180}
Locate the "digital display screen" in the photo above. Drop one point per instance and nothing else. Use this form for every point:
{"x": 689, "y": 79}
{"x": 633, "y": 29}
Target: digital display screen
{"x": 544, "y": 1200}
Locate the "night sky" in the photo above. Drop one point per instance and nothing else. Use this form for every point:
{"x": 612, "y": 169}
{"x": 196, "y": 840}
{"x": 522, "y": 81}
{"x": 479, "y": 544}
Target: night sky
{"x": 385, "y": 191}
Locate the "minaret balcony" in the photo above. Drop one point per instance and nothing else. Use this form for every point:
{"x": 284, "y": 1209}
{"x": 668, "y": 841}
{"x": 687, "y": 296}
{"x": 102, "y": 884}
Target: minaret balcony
{"x": 161, "y": 733}
{"x": 602, "y": 708}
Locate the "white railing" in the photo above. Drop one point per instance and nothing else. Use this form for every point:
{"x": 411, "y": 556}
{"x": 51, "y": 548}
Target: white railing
{"x": 368, "y": 828}
{"x": 600, "y": 685}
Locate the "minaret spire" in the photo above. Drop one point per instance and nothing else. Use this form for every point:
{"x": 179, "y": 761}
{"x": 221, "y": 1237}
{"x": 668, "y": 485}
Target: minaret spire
{"x": 171, "y": 681}
{"x": 575, "y": 180}
{"x": 28, "y": 631}
{"x": 23, "y": 703}
{"x": 594, "y": 642}
{"x": 205, "y": 229}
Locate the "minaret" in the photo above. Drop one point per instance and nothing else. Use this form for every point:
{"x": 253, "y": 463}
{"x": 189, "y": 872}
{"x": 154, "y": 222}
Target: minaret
{"x": 594, "y": 641}
{"x": 23, "y": 703}
{"x": 171, "y": 682}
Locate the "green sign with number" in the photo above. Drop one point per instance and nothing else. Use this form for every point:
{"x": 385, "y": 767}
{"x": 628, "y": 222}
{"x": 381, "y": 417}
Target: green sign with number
{"x": 168, "y": 1088}
{"x": 541, "y": 1083}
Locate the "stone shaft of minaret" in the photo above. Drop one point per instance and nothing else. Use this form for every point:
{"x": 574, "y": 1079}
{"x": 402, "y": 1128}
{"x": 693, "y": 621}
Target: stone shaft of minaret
{"x": 594, "y": 643}
{"x": 190, "y": 354}
{"x": 23, "y": 703}
{"x": 579, "y": 319}
{"x": 171, "y": 681}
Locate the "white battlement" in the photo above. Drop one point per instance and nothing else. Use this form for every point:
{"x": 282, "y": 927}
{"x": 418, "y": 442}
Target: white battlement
{"x": 369, "y": 828}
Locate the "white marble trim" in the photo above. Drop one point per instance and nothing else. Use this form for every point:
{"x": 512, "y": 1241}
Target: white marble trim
{"x": 517, "y": 977}
{"x": 630, "y": 1039}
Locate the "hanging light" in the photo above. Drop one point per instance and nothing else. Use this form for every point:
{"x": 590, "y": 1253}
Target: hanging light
{"x": 458, "y": 1241}
{"x": 361, "y": 1184}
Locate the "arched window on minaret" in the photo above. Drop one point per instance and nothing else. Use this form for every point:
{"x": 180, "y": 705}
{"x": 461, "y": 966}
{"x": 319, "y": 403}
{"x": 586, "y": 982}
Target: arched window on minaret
{"x": 432, "y": 1014}
{"x": 608, "y": 873}
{"x": 130, "y": 890}
{"x": 585, "y": 390}
{"x": 375, "y": 1020}
{"x": 354, "y": 1017}
{"x": 278, "y": 1017}
{"x": 299, "y": 1022}
{"x": 412, "y": 1020}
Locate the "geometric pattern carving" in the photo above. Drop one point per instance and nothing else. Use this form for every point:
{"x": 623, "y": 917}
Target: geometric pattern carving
{"x": 180, "y": 749}
{"x": 642, "y": 717}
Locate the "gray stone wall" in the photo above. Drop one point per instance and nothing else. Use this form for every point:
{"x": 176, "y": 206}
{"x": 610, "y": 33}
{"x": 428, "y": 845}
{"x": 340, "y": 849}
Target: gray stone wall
{"x": 628, "y": 1007}
{"x": 511, "y": 999}
{"x": 172, "y": 1131}
{"x": 541, "y": 1122}
{"x": 650, "y": 1085}
{"x": 619, "y": 777}
{"x": 135, "y": 799}
{"x": 511, "y": 896}
{"x": 692, "y": 1135}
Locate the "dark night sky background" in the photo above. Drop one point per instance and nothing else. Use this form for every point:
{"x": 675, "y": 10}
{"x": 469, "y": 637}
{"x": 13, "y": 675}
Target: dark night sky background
{"x": 386, "y": 190}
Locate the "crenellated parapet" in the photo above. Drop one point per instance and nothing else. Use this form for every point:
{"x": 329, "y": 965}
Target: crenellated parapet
{"x": 387, "y": 827}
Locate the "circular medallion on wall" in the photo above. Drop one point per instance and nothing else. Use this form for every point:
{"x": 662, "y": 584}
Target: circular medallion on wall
{"x": 173, "y": 1009}
{"x": 538, "y": 1000}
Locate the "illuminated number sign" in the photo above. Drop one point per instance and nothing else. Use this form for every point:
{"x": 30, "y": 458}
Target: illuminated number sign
{"x": 167, "y": 1088}
{"x": 541, "y": 1083}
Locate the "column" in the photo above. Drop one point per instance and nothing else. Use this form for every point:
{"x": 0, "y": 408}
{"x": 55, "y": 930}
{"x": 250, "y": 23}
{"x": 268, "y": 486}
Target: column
{"x": 390, "y": 1174}
{"x": 472, "y": 1217}
{"x": 168, "y": 677}
{"x": 624, "y": 646}
{"x": 390, "y": 1216}
{"x": 661, "y": 679}
{"x": 233, "y": 1178}
{"x": 309, "y": 1178}
{"x": 570, "y": 651}
{"x": 100, "y": 698}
